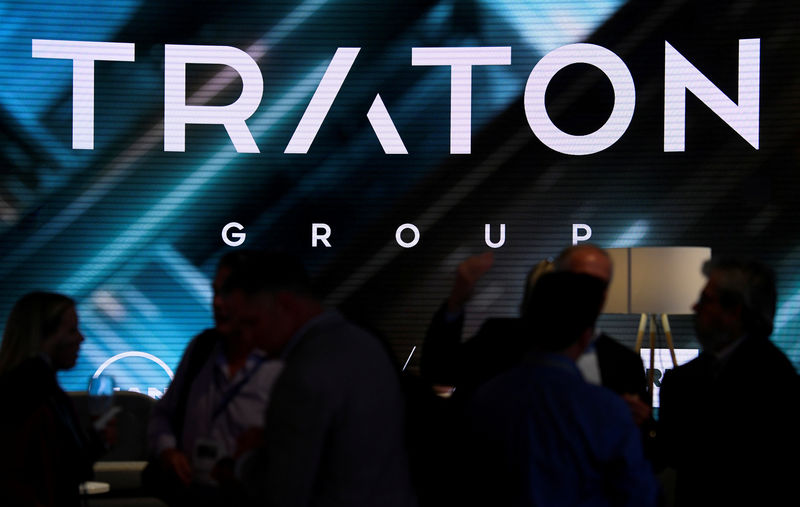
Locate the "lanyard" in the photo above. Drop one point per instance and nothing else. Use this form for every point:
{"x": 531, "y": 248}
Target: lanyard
{"x": 233, "y": 391}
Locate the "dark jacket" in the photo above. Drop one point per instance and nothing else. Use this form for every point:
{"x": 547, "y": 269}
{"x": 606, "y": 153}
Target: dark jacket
{"x": 46, "y": 454}
{"x": 729, "y": 429}
{"x": 501, "y": 344}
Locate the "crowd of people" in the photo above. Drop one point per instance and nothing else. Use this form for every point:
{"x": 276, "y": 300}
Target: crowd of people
{"x": 285, "y": 402}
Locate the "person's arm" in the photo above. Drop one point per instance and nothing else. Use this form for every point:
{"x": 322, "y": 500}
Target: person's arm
{"x": 623, "y": 372}
{"x": 440, "y": 348}
{"x": 160, "y": 433}
{"x": 162, "y": 444}
{"x": 640, "y": 410}
{"x": 443, "y": 337}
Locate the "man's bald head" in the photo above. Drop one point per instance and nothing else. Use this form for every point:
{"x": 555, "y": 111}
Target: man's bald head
{"x": 585, "y": 259}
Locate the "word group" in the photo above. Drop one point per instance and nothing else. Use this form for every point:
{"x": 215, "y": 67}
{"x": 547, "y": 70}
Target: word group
{"x": 233, "y": 235}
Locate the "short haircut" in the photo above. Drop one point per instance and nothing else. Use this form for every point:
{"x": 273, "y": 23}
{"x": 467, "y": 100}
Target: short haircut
{"x": 268, "y": 272}
{"x": 750, "y": 284}
{"x": 561, "y": 307}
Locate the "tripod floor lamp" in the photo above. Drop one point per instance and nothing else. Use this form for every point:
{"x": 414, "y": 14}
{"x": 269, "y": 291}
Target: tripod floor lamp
{"x": 655, "y": 281}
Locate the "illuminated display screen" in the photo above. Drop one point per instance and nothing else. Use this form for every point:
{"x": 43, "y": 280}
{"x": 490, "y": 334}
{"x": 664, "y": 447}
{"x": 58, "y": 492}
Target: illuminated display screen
{"x": 382, "y": 142}
{"x": 662, "y": 361}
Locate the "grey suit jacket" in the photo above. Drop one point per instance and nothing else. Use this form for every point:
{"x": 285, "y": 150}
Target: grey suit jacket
{"x": 335, "y": 425}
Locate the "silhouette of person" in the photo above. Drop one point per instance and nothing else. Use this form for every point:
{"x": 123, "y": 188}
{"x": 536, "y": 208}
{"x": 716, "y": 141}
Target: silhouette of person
{"x": 334, "y": 428}
{"x": 498, "y": 345}
{"x": 46, "y": 453}
{"x": 218, "y": 396}
{"x": 728, "y": 419}
{"x": 539, "y": 433}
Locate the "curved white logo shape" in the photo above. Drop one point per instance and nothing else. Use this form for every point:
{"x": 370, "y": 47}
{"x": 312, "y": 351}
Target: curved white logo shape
{"x": 133, "y": 353}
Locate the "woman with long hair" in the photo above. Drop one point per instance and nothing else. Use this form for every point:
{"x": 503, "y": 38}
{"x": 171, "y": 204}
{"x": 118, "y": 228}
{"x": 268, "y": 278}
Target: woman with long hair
{"x": 46, "y": 455}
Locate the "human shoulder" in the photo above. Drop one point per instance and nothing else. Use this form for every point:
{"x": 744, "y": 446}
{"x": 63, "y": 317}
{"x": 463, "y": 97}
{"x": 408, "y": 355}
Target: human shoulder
{"x": 529, "y": 387}
{"x": 331, "y": 337}
{"x": 619, "y": 364}
{"x": 199, "y": 350}
{"x": 27, "y": 389}
{"x": 204, "y": 342}
{"x": 605, "y": 402}
{"x": 500, "y": 394}
{"x": 759, "y": 365}
{"x": 196, "y": 356}
{"x": 334, "y": 363}
{"x": 520, "y": 384}
{"x": 769, "y": 354}
{"x": 333, "y": 351}
{"x": 689, "y": 371}
{"x": 34, "y": 377}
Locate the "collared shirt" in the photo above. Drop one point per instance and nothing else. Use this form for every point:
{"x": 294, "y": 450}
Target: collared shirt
{"x": 728, "y": 349}
{"x": 589, "y": 365}
{"x": 220, "y": 406}
{"x": 720, "y": 358}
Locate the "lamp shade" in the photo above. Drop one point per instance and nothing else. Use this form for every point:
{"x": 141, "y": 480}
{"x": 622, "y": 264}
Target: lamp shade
{"x": 656, "y": 279}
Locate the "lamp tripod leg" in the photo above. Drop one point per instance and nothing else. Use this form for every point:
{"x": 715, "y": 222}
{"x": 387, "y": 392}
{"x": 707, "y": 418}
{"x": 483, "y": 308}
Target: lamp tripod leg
{"x": 651, "y": 371}
{"x": 668, "y": 335}
{"x": 640, "y": 333}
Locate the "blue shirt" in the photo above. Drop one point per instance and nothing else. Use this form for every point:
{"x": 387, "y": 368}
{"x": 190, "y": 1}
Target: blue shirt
{"x": 544, "y": 436}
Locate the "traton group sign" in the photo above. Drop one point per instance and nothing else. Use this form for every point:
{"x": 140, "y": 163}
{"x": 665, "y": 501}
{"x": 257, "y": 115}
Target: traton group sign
{"x": 382, "y": 143}
{"x": 680, "y": 74}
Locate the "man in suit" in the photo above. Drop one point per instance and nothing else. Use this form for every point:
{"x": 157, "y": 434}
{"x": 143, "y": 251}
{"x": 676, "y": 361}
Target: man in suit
{"x": 729, "y": 418}
{"x": 334, "y": 427}
{"x": 500, "y": 343}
